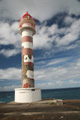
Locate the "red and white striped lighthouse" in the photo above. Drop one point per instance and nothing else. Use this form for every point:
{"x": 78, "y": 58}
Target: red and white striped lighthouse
{"x": 27, "y": 93}
{"x": 27, "y": 30}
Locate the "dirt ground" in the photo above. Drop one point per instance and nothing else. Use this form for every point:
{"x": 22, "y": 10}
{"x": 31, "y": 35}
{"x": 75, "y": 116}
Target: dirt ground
{"x": 43, "y": 110}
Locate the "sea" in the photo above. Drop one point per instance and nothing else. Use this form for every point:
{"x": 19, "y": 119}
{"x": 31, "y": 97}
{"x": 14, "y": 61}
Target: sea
{"x": 65, "y": 94}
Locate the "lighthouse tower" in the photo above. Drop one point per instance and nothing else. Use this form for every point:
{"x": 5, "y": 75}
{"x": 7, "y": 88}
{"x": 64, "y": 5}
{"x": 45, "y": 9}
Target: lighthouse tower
{"x": 27, "y": 30}
{"x": 27, "y": 93}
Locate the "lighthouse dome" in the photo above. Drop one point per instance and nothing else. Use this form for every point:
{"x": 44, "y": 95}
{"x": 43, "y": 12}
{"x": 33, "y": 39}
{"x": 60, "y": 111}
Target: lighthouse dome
{"x": 27, "y": 15}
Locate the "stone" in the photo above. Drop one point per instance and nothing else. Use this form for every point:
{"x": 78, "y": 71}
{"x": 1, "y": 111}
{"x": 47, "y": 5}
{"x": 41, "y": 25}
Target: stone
{"x": 59, "y": 102}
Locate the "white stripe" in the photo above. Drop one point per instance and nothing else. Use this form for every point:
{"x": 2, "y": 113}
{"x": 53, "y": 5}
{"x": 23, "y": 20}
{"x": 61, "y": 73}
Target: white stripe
{"x": 27, "y": 45}
{"x": 27, "y": 32}
{"x": 26, "y": 24}
{"x": 27, "y": 59}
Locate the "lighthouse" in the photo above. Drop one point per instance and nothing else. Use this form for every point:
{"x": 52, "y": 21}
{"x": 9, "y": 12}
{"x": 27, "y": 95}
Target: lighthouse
{"x": 27, "y": 30}
{"x": 27, "y": 93}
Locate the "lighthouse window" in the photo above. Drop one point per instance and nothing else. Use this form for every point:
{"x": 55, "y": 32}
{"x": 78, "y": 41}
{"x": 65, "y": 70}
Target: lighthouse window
{"x": 33, "y": 89}
{"x": 26, "y": 16}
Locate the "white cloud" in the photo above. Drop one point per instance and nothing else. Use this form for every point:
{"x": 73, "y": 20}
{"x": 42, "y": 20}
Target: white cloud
{"x": 9, "y": 33}
{"x": 69, "y": 20}
{"x": 10, "y": 74}
{"x": 59, "y": 83}
{"x": 9, "y": 53}
{"x": 42, "y": 38}
{"x": 60, "y": 76}
{"x": 78, "y": 63}
{"x": 41, "y": 10}
{"x": 15, "y": 26}
{"x": 71, "y": 46}
{"x": 73, "y": 82}
{"x": 71, "y": 34}
{"x": 66, "y": 75}
{"x": 9, "y": 88}
{"x": 66, "y": 40}
{"x": 57, "y": 61}
{"x": 46, "y": 35}
{"x": 51, "y": 62}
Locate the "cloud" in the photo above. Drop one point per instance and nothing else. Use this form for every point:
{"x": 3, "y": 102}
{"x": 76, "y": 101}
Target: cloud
{"x": 41, "y": 10}
{"x": 9, "y": 52}
{"x": 78, "y": 63}
{"x": 58, "y": 84}
{"x": 69, "y": 20}
{"x": 47, "y": 37}
{"x": 71, "y": 34}
{"x": 52, "y": 39}
{"x": 42, "y": 39}
{"x": 73, "y": 82}
{"x": 9, "y": 33}
{"x": 57, "y": 61}
{"x": 59, "y": 76}
{"x": 9, "y": 88}
{"x": 51, "y": 62}
{"x": 10, "y": 74}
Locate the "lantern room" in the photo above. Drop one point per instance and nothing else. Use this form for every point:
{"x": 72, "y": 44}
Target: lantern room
{"x": 27, "y": 22}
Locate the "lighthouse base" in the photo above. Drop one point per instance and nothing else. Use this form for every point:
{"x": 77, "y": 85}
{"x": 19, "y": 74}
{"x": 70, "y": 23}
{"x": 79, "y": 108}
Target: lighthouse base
{"x": 27, "y": 95}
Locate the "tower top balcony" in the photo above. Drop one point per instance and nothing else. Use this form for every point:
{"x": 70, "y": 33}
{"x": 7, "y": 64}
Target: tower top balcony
{"x": 27, "y": 21}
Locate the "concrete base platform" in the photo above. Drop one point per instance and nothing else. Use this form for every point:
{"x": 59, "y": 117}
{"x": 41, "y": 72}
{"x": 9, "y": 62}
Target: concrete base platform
{"x": 27, "y": 95}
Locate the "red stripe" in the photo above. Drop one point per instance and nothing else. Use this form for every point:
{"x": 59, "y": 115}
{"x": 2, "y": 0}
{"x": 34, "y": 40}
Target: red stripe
{"x": 25, "y": 85}
{"x": 27, "y": 39}
{"x": 27, "y": 51}
{"x": 31, "y": 79}
{"x": 28, "y": 63}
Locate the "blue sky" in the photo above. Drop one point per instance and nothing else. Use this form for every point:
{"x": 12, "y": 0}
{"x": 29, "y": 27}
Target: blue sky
{"x": 56, "y": 43}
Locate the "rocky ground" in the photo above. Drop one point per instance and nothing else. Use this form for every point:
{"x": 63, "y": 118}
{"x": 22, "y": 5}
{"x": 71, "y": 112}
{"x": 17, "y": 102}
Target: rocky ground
{"x": 43, "y": 110}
